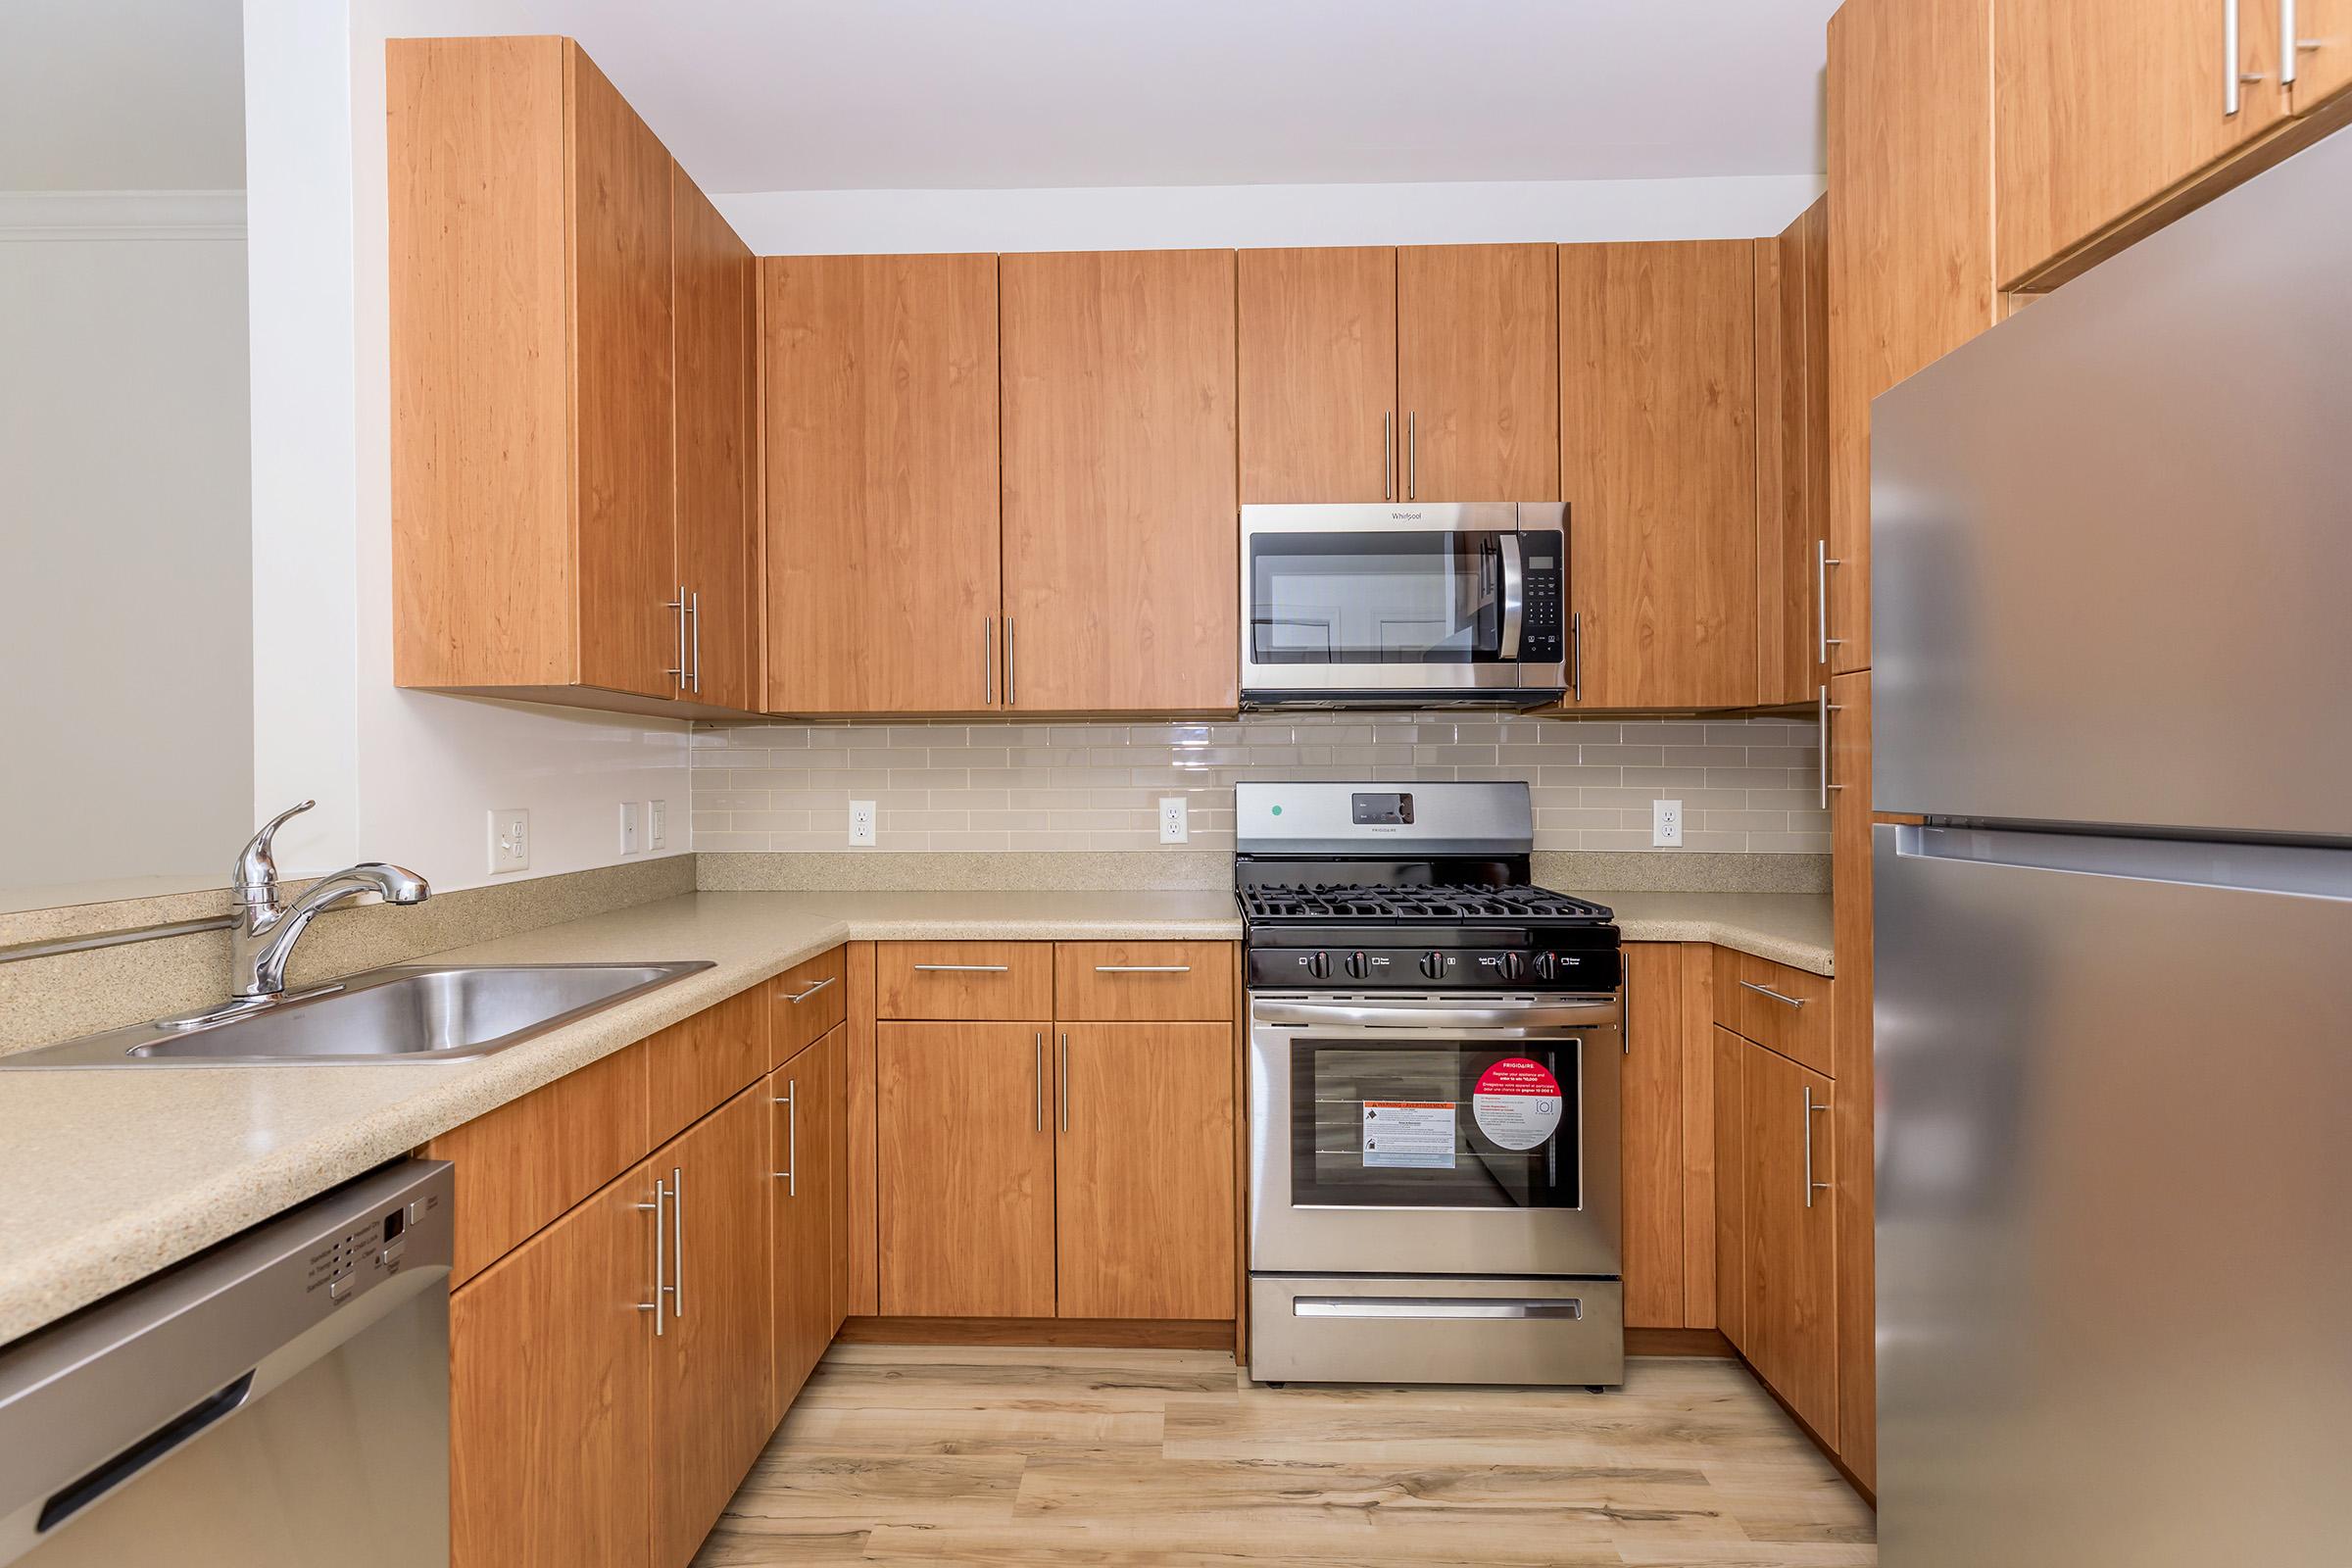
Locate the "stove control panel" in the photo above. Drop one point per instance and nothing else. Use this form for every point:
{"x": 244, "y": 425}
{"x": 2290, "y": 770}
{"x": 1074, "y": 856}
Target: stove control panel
{"x": 1457, "y": 968}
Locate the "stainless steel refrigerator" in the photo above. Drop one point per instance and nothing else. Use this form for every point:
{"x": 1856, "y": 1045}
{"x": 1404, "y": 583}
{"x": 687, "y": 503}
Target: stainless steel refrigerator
{"x": 2113, "y": 581}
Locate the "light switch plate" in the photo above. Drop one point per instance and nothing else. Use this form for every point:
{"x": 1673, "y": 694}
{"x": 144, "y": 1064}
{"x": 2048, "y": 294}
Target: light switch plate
{"x": 656, "y": 824}
{"x": 510, "y": 839}
{"x": 1666, "y": 824}
{"x": 862, "y": 824}
{"x": 629, "y": 827}
{"x": 1175, "y": 825}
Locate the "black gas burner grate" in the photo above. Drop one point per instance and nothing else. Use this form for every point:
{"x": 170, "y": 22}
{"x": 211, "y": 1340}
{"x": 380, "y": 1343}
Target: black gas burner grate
{"x": 1417, "y": 904}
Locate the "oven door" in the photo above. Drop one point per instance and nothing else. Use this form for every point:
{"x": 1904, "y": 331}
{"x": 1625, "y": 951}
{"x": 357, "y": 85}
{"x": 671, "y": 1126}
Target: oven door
{"x": 1434, "y": 1135}
{"x": 1347, "y": 597}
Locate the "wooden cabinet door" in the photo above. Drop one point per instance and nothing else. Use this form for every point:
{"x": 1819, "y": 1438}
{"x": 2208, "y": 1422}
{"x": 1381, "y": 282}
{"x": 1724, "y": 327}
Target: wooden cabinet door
{"x": 1658, "y": 437}
{"x": 2101, "y": 104}
{"x": 2323, "y": 53}
{"x": 697, "y": 1062}
{"x": 1792, "y": 458}
{"x": 1910, "y": 129}
{"x": 805, "y": 1101}
{"x": 1143, "y": 1170}
{"x": 1478, "y": 385}
{"x": 884, "y": 580}
{"x": 963, "y": 1118}
{"x": 1122, "y": 534}
{"x": 621, "y": 392}
{"x": 1851, "y": 1050}
{"x": 1790, "y": 1332}
{"x": 1650, "y": 1147}
{"x": 550, "y": 1386}
{"x": 718, "y": 529}
{"x": 712, "y": 1405}
{"x": 1730, "y": 1054}
{"x": 1318, "y": 374}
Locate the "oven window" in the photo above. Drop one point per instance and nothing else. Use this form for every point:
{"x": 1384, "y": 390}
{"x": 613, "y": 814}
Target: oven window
{"x": 1376, "y": 599}
{"x": 1435, "y": 1124}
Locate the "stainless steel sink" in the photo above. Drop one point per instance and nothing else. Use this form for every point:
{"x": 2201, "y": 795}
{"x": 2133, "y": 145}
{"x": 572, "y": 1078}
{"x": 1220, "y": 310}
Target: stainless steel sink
{"x": 412, "y": 1013}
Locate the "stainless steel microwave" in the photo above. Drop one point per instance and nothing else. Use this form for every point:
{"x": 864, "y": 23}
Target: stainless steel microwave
{"x": 1411, "y": 605}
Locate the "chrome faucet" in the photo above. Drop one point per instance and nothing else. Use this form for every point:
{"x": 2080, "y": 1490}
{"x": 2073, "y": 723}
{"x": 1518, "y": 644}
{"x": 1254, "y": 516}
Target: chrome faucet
{"x": 267, "y": 929}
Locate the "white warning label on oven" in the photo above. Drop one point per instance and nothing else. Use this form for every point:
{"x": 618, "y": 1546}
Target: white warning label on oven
{"x": 1517, "y": 1102}
{"x": 1410, "y": 1134}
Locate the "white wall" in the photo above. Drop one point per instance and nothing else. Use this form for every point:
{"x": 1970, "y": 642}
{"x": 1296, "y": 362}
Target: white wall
{"x": 405, "y": 777}
{"x": 124, "y": 543}
{"x": 816, "y": 223}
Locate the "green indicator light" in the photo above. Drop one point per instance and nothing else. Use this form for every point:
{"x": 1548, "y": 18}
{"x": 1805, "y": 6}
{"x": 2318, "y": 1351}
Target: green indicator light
{"x": 1278, "y": 811}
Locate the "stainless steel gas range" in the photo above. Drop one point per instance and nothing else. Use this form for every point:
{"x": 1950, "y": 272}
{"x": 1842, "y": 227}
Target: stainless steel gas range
{"x": 1433, "y": 1059}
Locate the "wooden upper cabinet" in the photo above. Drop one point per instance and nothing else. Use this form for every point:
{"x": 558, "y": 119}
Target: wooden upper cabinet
{"x": 2323, "y": 53}
{"x": 1477, "y": 382}
{"x": 883, "y": 567}
{"x": 1911, "y": 269}
{"x": 535, "y": 455}
{"x": 718, "y": 536}
{"x": 1658, "y": 430}
{"x": 1121, "y": 522}
{"x": 1318, "y": 374}
{"x": 1792, "y": 458}
{"x": 2100, "y": 106}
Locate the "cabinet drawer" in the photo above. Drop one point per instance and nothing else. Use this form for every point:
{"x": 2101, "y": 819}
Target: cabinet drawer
{"x": 963, "y": 980}
{"x": 1775, "y": 1006}
{"x": 805, "y": 1004}
{"x": 695, "y": 1064}
{"x": 1143, "y": 982}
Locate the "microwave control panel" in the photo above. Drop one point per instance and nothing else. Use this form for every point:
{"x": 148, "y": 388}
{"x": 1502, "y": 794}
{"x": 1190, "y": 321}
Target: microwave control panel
{"x": 1540, "y": 637}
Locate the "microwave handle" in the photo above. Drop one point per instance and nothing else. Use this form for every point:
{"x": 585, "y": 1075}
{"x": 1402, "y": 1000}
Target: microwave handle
{"x": 1515, "y": 596}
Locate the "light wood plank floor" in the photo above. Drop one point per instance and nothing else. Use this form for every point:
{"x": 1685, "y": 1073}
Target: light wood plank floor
{"x": 898, "y": 1453}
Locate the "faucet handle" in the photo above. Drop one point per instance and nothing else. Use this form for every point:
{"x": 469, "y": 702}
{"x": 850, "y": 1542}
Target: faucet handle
{"x": 255, "y": 879}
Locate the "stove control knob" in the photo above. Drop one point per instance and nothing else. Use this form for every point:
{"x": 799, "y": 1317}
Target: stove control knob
{"x": 1514, "y": 965}
{"x": 1547, "y": 967}
{"x": 1433, "y": 964}
{"x": 1318, "y": 966}
{"x": 1357, "y": 965}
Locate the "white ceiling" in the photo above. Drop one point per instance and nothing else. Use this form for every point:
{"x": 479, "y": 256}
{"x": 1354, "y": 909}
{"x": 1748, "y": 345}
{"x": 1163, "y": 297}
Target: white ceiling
{"x": 758, "y": 95}
{"x": 121, "y": 95}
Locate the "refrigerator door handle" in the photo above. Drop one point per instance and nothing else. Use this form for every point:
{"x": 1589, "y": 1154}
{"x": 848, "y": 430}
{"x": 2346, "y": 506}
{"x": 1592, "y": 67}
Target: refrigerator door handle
{"x": 2308, "y": 870}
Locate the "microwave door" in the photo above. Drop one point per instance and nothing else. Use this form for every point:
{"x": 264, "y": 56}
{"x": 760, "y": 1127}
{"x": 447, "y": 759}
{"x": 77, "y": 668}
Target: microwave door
{"x": 1377, "y": 601}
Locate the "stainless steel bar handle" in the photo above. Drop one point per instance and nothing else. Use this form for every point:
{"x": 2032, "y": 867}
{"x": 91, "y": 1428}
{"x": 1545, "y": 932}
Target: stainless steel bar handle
{"x": 1434, "y": 1306}
{"x": 1514, "y": 595}
{"x": 1767, "y": 991}
{"x": 1827, "y": 708}
{"x": 1007, "y": 660}
{"x": 964, "y": 968}
{"x": 1811, "y": 1110}
{"x": 678, "y": 1244}
{"x": 660, "y": 1256}
{"x": 677, "y": 672}
{"x": 790, "y": 1175}
{"x": 803, "y": 996}
{"x": 694, "y": 614}
{"x": 1823, "y": 560}
{"x": 2290, "y": 46}
{"x": 2229, "y": 83}
{"x": 1064, "y": 1089}
{"x": 1388, "y": 455}
{"x": 1037, "y": 1078}
{"x": 1412, "y": 456}
{"x": 1143, "y": 969}
{"x": 988, "y": 660}
{"x": 1576, "y": 656}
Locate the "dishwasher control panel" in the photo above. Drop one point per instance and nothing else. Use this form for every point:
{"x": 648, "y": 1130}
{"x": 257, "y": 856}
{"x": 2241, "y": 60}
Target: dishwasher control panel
{"x": 350, "y": 1261}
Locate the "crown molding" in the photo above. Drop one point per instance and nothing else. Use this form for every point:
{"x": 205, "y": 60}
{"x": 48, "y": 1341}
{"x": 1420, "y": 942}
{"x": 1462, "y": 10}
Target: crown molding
{"x": 34, "y": 215}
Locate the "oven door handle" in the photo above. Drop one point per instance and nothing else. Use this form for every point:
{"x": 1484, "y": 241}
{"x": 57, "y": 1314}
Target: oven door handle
{"x": 1514, "y": 597}
{"x": 1423, "y": 1016}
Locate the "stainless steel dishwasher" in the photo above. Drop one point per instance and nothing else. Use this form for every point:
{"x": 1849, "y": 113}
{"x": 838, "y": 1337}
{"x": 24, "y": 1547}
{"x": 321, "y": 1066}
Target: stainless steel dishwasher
{"x": 280, "y": 1400}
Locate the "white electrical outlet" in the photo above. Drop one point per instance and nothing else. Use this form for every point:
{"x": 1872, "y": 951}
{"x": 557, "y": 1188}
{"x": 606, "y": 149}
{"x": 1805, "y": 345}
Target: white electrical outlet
{"x": 1666, "y": 824}
{"x": 629, "y": 827}
{"x": 510, "y": 839}
{"x": 862, "y": 824}
{"x": 656, "y": 824}
{"x": 1175, "y": 826}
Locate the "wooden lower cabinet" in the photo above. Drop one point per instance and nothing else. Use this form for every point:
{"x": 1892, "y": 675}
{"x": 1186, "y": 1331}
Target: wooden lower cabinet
{"x": 1787, "y": 1275}
{"x": 712, "y": 1413}
{"x": 805, "y": 1130}
{"x": 550, "y": 1383}
{"x": 965, "y": 1169}
{"x": 1144, "y": 1171}
{"x": 1650, "y": 1135}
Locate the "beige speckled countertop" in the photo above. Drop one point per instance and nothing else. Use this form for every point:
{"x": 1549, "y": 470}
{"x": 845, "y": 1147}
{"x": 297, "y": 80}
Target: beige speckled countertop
{"x": 110, "y": 1174}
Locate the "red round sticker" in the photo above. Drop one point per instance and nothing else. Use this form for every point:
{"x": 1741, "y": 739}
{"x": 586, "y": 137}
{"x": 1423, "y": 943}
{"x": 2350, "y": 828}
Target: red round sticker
{"x": 1517, "y": 1102}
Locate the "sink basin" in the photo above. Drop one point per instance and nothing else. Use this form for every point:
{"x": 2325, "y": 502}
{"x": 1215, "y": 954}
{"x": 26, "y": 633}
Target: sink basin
{"x": 412, "y": 1013}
